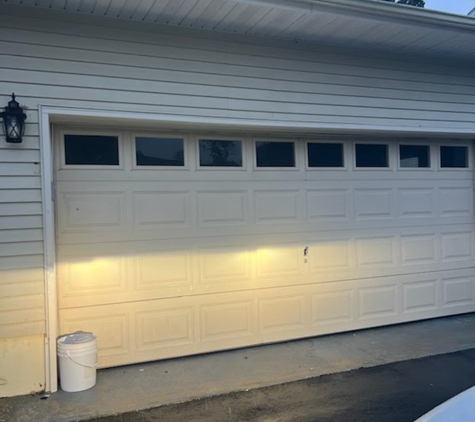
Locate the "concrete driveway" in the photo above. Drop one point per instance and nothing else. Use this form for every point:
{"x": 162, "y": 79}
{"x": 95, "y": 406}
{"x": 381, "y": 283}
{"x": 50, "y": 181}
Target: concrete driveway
{"x": 157, "y": 384}
{"x": 398, "y": 392}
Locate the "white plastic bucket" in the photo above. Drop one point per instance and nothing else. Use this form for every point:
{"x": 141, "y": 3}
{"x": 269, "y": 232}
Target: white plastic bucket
{"x": 77, "y": 355}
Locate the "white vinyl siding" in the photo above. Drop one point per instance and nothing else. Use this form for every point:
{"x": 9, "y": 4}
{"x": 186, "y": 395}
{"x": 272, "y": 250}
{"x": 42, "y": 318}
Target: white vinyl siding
{"x": 157, "y": 72}
{"x": 93, "y": 63}
{"x": 21, "y": 237}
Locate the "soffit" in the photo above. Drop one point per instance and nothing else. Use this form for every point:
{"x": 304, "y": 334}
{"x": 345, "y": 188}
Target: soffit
{"x": 365, "y": 24}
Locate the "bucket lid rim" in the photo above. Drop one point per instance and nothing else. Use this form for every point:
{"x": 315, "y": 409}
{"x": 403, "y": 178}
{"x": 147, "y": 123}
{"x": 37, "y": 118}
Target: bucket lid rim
{"x": 86, "y": 337}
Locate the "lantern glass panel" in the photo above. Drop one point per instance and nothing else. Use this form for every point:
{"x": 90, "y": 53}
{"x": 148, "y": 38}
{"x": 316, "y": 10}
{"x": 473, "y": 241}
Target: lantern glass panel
{"x": 13, "y": 130}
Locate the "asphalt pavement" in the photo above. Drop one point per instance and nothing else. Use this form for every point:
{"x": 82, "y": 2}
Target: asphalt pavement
{"x": 397, "y": 392}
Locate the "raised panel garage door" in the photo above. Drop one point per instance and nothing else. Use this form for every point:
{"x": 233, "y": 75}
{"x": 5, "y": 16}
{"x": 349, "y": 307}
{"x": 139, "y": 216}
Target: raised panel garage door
{"x": 172, "y": 244}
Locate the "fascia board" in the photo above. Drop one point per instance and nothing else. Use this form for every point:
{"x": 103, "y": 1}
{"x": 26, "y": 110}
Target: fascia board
{"x": 377, "y": 9}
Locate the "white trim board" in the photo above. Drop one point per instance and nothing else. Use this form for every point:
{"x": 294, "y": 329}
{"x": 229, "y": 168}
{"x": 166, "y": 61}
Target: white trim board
{"x": 61, "y": 115}
{"x": 51, "y": 304}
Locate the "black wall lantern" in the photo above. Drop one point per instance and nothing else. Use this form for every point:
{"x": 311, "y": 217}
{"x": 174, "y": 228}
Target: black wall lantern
{"x": 13, "y": 121}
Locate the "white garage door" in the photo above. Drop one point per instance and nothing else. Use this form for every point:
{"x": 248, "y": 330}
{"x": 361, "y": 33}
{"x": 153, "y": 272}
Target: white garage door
{"x": 172, "y": 244}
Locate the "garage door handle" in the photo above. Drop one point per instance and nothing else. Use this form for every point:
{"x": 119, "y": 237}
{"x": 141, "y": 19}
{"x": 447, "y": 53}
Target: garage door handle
{"x": 305, "y": 251}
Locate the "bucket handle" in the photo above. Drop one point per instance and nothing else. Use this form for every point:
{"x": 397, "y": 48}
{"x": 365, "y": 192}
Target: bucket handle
{"x": 80, "y": 364}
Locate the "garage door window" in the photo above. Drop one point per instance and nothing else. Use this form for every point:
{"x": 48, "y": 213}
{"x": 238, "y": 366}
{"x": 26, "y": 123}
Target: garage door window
{"x": 414, "y": 156}
{"x": 92, "y": 150}
{"x": 220, "y": 153}
{"x": 167, "y": 152}
{"x": 454, "y": 157}
{"x": 275, "y": 154}
{"x": 372, "y": 155}
{"x": 321, "y": 154}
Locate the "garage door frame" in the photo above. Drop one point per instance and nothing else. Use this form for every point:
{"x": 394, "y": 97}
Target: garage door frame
{"x": 53, "y": 114}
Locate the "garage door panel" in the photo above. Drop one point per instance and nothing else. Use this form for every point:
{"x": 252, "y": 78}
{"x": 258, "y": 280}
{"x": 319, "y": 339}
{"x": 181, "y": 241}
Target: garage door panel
{"x": 408, "y": 176}
{"x": 161, "y": 209}
{"x": 105, "y": 273}
{"x": 419, "y": 249}
{"x": 321, "y": 278}
{"x": 91, "y": 212}
{"x": 162, "y": 263}
{"x": 165, "y": 235}
{"x": 160, "y": 214}
{"x": 457, "y": 245}
{"x": 417, "y": 203}
{"x": 231, "y": 319}
{"x": 278, "y": 206}
{"x": 378, "y": 302}
{"x": 335, "y": 306}
{"x": 330, "y": 255}
{"x": 223, "y": 208}
{"x": 110, "y": 324}
{"x": 154, "y": 329}
{"x": 376, "y": 251}
{"x": 420, "y": 296}
{"x": 456, "y": 201}
{"x": 328, "y": 205}
{"x": 282, "y": 313}
{"x": 125, "y": 272}
{"x": 158, "y": 328}
{"x": 151, "y": 178}
{"x": 226, "y": 266}
{"x": 90, "y": 275}
{"x": 163, "y": 270}
{"x": 373, "y": 203}
{"x": 280, "y": 261}
{"x": 457, "y": 291}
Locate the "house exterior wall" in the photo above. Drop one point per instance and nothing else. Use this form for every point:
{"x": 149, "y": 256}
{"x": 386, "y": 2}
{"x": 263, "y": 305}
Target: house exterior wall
{"x": 77, "y": 61}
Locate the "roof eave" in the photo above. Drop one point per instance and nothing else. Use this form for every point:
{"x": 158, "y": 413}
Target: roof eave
{"x": 375, "y": 8}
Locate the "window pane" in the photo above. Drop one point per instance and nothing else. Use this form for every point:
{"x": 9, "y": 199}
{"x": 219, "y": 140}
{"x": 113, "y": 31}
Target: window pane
{"x": 325, "y": 155}
{"x": 454, "y": 157}
{"x": 414, "y": 156}
{"x": 372, "y": 155}
{"x": 275, "y": 154}
{"x": 159, "y": 151}
{"x": 91, "y": 150}
{"x": 220, "y": 153}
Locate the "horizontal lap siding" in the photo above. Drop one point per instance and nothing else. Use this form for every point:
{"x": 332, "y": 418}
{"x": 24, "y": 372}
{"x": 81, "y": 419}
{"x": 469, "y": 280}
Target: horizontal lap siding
{"x": 21, "y": 239}
{"x": 125, "y": 66}
{"x": 21, "y": 291}
{"x": 146, "y": 91}
{"x": 22, "y": 310}
{"x": 115, "y": 68}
